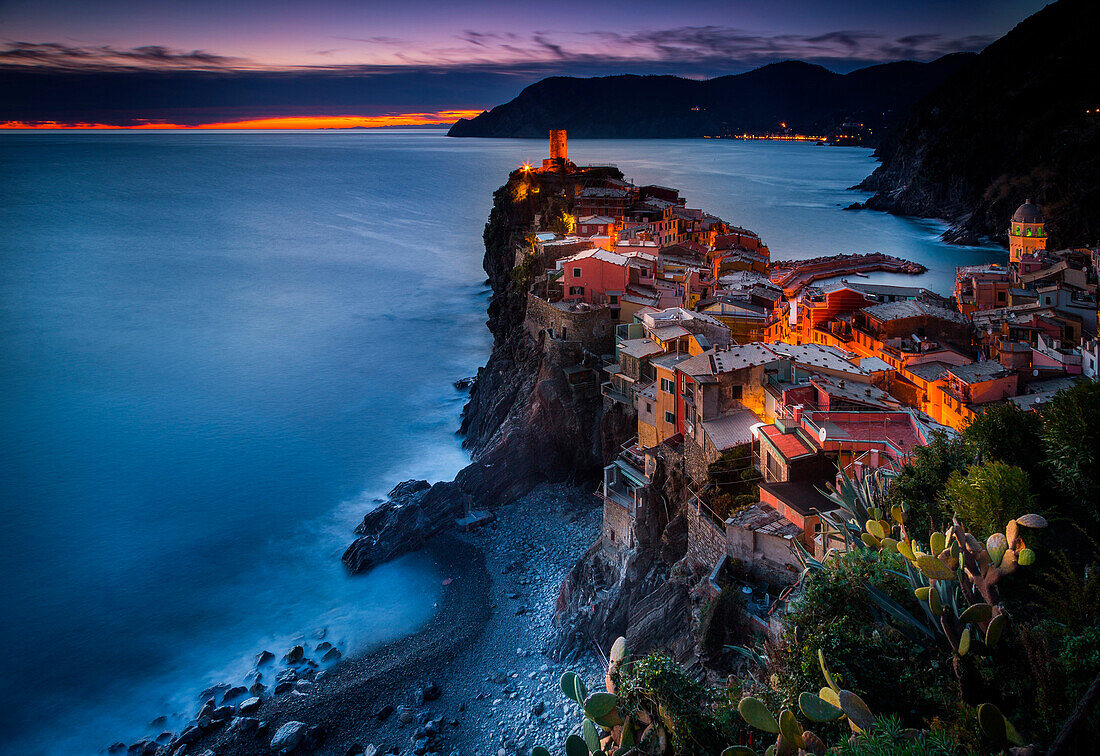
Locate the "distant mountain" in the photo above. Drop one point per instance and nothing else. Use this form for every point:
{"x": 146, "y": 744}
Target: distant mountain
{"x": 807, "y": 98}
{"x": 1022, "y": 119}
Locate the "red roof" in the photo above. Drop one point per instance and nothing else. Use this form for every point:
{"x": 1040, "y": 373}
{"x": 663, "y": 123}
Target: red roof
{"x": 790, "y": 445}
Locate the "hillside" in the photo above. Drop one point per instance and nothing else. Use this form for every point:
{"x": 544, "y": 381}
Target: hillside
{"x": 808, "y": 98}
{"x": 1012, "y": 123}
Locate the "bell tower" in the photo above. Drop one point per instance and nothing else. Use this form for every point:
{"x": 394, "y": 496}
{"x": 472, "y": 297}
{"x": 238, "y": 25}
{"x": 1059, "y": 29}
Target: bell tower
{"x": 1026, "y": 233}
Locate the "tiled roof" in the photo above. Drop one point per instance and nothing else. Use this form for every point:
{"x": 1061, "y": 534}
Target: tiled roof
{"x": 976, "y": 372}
{"x": 731, "y": 429}
{"x": 912, "y": 309}
{"x": 790, "y": 445}
{"x": 927, "y": 371}
{"x": 639, "y": 348}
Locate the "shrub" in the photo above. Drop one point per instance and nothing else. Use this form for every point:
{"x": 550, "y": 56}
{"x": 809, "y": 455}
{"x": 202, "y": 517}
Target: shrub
{"x": 988, "y": 496}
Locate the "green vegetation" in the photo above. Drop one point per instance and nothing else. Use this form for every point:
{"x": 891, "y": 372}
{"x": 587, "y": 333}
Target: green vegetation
{"x": 961, "y": 617}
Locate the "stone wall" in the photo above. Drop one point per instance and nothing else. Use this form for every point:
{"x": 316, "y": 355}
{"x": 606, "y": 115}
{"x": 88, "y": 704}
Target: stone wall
{"x": 767, "y": 557}
{"x": 695, "y": 461}
{"x": 593, "y": 328}
{"x": 706, "y": 543}
{"x": 617, "y": 525}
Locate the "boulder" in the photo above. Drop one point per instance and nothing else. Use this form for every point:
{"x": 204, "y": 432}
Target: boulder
{"x": 189, "y": 735}
{"x": 264, "y": 657}
{"x": 234, "y": 693}
{"x": 331, "y": 655}
{"x": 257, "y": 689}
{"x": 431, "y": 691}
{"x": 413, "y": 512}
{"x": 294, "y": 655}
{"x": 287, "y": 737}
{"x": 248, "y": 705}
{"x": 283, "y": 687}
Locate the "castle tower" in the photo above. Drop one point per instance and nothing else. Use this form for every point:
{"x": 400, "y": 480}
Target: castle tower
{"x": 1026, "y": 233}
{"x": 558, "y": 149}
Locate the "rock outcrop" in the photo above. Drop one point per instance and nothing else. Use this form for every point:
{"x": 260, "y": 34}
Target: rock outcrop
{"x": 637, "y": 593}
{"x": 525, "y": 422}
{"x": 1017, "y": 121}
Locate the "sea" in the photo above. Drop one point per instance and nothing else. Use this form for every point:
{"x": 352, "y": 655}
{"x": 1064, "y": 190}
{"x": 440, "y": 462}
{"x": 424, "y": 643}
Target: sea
{"x": 220, "y": 349}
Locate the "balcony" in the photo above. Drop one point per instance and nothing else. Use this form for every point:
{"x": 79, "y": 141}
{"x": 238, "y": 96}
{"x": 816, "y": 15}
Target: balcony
{"x": 609, "y": 391}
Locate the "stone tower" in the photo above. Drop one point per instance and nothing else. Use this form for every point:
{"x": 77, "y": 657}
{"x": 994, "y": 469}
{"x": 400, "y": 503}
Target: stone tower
{"x": 1026, "y": 233}
{"x": 558, "y": 149}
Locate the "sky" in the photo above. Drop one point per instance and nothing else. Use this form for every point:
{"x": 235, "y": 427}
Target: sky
{"x": 219, "y": 62}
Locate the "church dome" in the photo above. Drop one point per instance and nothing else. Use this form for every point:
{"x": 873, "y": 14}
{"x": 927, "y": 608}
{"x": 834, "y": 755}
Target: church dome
{"x": 1027, "y": 213}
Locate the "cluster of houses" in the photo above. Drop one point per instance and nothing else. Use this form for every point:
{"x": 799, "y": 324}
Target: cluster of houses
{"x": 743, "y": 383}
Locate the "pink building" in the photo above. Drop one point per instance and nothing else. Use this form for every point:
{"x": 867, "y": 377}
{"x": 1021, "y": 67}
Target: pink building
{"x": 597, "y": 276}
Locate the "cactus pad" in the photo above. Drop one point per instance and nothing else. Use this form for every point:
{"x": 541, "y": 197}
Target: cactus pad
{"x": 754, "y": 712}
{"x": 818, "y": 710}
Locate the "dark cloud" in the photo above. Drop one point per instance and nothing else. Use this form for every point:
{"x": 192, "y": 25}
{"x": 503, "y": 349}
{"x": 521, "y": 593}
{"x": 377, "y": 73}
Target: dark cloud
{"x": 104, "y": 57}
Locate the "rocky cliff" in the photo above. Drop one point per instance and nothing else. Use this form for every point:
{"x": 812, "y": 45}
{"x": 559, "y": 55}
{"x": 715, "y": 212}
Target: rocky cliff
{"x": 526, "y": 422}
{"x": 1020, "y": 120}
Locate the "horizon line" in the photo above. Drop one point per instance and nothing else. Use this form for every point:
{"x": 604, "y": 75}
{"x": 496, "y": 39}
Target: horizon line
{"x": 274, "y": 123}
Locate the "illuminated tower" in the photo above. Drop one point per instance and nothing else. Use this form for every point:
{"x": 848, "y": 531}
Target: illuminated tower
{"x": 558, "y": 149}
{"x": 1026, "y": 234}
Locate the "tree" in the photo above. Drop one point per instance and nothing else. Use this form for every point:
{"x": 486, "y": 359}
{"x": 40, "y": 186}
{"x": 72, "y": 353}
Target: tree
{"x": 1071, "y": 433}
{"x": 988, "y": 496}
{"x": 1006, "y": 433}
{"x": 921, "y": 482}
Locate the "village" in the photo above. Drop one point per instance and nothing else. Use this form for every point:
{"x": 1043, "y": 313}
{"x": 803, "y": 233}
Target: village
{"x": 759, "y": 381}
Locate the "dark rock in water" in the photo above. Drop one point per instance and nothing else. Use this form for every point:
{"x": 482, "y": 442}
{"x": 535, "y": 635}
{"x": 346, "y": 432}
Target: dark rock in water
{"x": 854, "y": 206}
{"x": 116, "y": 747}
{"x": 331, "y": 655}
{"x": 214, "y": 691}
{"x": 384, "y": 712}
{"x": 413, "y": 512}
{"x": 234, "y": 693}
{"x": 165, "y": 737}
{"x": 207, "y": 709}
{"x": 159, "y": 721}
{"x": 320, "y": 633}
{"x": 257, "y": 689}
{"x": 287, "y": 737}
{"x": 223, "y": 712}
{"x": 322, "y": 647}
{"x": 189, "y": 735}
{"x": 464, "y": 384}
{"x": 287, "y": 675}
{"x": 264, "y": 657}
{"x": 431, "y": 691}
{"x": 248, "y": 705}
{"x": 283, "y": 687}
{"x": 244, "y": 725}
{"x": 294, "y": 655}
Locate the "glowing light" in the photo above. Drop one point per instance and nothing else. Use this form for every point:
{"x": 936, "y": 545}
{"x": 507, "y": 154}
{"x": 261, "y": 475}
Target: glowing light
{"x": 437, "y": 118}
{"x": 526, "y": 167}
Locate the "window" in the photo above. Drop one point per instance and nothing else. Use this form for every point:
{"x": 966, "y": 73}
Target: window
{"x": 576, "y": 272}
{"x": 1000, "y": 296}
{"x": 614, "y": 298}
{"x": 648, "y": 407}
{"x": 667, "y": 386}
{"x": 576, "y": 291}
{"x": 670, "y": 417}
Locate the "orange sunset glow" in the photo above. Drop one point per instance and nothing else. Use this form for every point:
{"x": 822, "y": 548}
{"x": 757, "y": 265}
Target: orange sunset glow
{"x": 437, "y": 118}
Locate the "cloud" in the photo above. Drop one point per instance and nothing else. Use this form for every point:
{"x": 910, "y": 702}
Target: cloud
{"x": 686, "y": 50}
{"x": 56, "y": 55}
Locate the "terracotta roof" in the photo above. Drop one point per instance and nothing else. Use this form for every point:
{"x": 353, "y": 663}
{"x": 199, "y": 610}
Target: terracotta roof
{"x": 802, "y": 496}
{"x": 790, "y": 445}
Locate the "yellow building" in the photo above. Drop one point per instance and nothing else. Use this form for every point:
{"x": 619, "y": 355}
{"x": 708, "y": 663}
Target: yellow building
{"x": 1026, "y": 233}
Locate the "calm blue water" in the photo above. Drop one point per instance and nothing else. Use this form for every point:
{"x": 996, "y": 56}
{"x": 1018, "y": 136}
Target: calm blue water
{"x": 218, "y": 348}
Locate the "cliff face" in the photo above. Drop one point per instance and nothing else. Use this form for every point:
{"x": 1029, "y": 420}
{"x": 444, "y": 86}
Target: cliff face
{"x": 808, "y": 98}
{"x": 526, "y": 422}
{"x": 1020, "y": 120}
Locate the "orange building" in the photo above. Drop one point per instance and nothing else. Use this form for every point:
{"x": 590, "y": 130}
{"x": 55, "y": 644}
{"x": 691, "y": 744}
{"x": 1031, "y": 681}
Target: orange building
{"x": 1026, "y": 234}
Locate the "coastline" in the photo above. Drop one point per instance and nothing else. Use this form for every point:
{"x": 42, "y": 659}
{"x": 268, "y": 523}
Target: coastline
{"x": 482, "y": 650}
